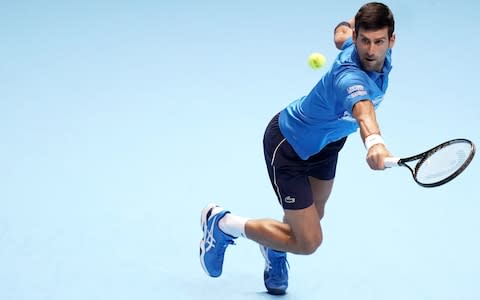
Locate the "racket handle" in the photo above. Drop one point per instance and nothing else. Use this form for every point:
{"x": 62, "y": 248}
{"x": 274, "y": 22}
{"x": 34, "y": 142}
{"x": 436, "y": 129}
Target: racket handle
{"x": 391, "y": 162}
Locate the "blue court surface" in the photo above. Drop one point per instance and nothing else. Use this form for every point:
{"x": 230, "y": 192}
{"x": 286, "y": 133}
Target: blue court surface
{"x": 121, "y": 120}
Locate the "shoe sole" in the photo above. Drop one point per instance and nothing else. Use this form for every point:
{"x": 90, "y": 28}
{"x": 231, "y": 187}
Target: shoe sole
{"x": 203, "y": 224}
{"x": 276, "y": 292}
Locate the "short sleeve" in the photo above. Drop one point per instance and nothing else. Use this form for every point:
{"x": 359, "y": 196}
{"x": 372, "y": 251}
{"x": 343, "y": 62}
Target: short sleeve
{"x": 348, "y": 42}
{"x": 352, "y": 87}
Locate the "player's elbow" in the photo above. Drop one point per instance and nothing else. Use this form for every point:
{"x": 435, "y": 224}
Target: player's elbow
{"x": 339, "y": 40}
{"x": 342, "y": 33}
{"x": 338, "y": 45}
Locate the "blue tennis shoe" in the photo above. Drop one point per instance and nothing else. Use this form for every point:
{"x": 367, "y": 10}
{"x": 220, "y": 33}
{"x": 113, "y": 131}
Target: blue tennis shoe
{"x": 275, "y": 275}
{"x": 214, "y": 241}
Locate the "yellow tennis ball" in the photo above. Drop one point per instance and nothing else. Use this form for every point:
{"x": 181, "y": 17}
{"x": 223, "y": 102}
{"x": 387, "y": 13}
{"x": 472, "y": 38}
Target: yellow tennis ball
{"x": 316, "y": 60}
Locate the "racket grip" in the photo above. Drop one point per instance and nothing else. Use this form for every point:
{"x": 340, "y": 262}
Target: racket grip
{"x": 391, "y": 162}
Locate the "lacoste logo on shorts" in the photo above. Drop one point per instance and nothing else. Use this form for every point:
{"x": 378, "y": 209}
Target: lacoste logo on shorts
{"x": 289, "y": 199}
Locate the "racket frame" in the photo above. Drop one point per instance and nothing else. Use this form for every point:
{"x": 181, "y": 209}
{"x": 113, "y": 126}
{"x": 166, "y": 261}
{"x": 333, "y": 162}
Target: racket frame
{"x": 422, "y": 157}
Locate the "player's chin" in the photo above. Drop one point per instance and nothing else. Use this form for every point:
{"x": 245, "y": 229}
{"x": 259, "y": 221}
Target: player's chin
{"x": 370, "y": 65}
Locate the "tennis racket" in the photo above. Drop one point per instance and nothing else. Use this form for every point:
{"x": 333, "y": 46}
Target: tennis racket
{"x": 438, "y": 165}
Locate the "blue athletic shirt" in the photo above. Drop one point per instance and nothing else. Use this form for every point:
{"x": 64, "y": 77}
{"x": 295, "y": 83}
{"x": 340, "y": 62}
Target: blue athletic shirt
{"x": 325, "y": 114}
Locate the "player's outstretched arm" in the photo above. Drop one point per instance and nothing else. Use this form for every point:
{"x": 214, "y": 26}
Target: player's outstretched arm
{"x": 364, "y": 113}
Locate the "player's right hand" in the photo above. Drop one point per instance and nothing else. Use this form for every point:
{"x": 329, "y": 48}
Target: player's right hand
{"x": 376, "y": 156}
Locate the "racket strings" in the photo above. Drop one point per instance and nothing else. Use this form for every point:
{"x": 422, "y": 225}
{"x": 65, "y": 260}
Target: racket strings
{"x": 443, "y": 163}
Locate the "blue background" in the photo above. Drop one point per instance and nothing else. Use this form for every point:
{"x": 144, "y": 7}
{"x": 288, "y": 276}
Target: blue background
{"x": 121, "y": 120}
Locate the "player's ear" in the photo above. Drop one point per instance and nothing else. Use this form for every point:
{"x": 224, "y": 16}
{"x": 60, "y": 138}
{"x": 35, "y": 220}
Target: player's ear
{"x": 392, "y": 40}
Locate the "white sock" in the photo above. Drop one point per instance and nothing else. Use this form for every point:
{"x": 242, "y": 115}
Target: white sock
{"x": 233, "y": 225}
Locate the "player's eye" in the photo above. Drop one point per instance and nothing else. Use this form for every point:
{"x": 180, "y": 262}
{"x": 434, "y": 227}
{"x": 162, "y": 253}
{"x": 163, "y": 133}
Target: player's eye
{"x": 366, "y": 41}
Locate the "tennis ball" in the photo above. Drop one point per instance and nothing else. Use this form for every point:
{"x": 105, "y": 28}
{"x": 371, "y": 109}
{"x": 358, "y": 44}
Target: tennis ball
{"x": 316, "y": 60}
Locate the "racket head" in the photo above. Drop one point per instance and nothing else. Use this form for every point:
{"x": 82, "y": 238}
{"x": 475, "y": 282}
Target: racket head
{"x": 443, "y": 163}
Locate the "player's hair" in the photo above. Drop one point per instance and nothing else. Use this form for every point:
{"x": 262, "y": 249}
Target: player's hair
{"x": 375, "y": 16}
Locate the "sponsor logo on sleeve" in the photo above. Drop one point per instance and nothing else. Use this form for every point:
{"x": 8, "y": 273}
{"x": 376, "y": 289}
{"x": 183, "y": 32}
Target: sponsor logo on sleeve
{"x": 356, "y": 90}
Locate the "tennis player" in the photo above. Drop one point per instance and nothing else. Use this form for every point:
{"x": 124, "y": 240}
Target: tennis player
{"x": 301, "y": 146}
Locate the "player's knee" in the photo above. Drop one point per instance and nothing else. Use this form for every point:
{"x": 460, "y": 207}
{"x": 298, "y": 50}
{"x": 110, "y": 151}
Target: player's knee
{"x": 309, "y": 246}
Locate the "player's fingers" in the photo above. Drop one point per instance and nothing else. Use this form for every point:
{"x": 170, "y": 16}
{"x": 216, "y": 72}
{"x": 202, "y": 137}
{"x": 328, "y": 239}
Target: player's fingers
{"x": 376, "y": 160}
{"x": 372, "y": 162}
{"x": 376, "y": 157}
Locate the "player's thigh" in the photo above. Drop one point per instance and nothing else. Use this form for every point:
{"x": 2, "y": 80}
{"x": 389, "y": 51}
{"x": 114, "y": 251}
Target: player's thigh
{"x": 321, "y": 190}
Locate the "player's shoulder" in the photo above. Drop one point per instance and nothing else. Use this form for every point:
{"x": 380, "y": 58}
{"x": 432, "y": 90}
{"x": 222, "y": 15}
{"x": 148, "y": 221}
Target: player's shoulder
{"x": 348, "y": 75}
{"x": 348, "y": 42}
{"x": 346, "y": 67}
{"x": 347, "y": 57}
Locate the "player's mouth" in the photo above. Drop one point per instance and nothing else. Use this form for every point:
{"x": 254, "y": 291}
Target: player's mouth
{"x": 370, "y": 63}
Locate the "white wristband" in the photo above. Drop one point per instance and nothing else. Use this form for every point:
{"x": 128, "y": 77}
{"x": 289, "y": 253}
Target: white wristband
{"x": 373, "y": 139}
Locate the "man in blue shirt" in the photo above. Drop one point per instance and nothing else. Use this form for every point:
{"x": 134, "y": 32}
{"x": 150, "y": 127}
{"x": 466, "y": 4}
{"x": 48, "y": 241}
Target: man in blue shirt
{"x": 301, "y": 146}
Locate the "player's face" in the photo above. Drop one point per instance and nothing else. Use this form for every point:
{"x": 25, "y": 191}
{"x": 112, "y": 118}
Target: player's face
{"x": 372, "y": 47}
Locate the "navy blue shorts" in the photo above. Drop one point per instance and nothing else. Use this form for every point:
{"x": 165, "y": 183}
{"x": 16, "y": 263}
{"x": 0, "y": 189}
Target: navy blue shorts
{"x": 289, "y": 173}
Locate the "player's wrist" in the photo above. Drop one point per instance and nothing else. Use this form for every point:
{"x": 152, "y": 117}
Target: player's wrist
{"x": 372, "y": 140}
